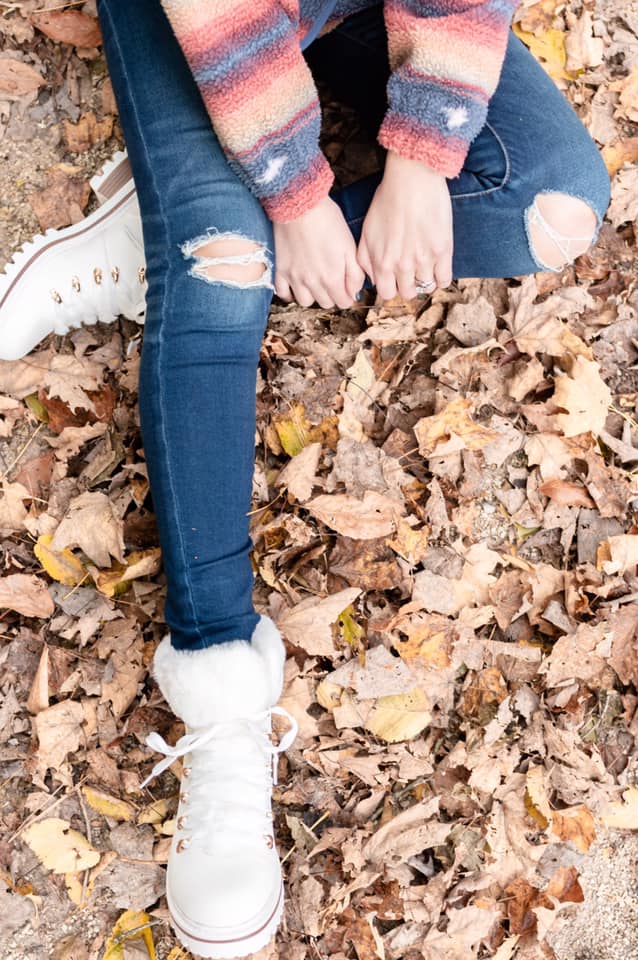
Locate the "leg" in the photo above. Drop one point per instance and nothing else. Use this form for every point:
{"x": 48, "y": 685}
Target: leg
{"x": 208, "y": 249}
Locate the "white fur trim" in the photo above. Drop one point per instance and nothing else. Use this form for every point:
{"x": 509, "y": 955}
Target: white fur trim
{"x": 223, "y": 681}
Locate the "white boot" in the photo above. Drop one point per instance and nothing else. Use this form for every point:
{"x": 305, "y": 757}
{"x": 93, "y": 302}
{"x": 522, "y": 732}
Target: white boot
{"x": 223, "y": 885}
{"x": 93, "y": 270}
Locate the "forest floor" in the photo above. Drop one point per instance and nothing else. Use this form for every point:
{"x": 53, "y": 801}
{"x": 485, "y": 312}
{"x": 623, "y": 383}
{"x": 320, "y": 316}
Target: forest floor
{"x": 445, "y": 530}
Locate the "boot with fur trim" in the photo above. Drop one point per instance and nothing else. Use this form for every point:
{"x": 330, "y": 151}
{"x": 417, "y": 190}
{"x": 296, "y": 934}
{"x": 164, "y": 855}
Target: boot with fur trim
{"x": 224, "y": 885}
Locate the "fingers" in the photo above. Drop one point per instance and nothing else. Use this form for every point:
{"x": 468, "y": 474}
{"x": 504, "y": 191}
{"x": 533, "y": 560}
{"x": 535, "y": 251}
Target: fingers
{"x": 282, "y": 288}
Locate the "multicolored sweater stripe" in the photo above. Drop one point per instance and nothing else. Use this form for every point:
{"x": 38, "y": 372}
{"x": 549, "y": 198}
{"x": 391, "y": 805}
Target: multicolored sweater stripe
{"x": 246, "y": 57}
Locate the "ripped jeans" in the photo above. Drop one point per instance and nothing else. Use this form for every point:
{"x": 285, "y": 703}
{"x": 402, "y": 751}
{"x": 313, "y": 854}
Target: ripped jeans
{"x": 203, "y": 334}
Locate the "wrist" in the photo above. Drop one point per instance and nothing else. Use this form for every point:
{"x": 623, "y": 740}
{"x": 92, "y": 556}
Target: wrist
{"x": 396, "y": 164}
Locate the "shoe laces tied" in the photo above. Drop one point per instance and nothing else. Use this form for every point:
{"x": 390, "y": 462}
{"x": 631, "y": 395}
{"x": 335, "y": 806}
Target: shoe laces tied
{"x": 208, "y": 813}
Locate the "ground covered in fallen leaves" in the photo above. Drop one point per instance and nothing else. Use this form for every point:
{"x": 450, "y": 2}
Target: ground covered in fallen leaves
{"x": 444, "y": 528}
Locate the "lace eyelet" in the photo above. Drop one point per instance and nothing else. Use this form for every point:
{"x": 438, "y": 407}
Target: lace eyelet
{"x": 141, "y": 274}
{"x": 97, "y": 275}
{"x": 269, "y": 841}
{"x": 75, "y": 283}
{"x": 56, "y": 296}
{"x": 181, "y": 822}
{"x": 186, "y": 772}
{"x": 115, "y": 273}
{"x": 183, "y": 844}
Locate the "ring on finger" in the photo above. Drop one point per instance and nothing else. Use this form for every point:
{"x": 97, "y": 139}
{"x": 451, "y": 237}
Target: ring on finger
{"x": 424, "y": 286}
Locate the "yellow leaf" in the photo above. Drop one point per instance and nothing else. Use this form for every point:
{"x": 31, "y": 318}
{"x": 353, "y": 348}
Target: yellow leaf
{"x": 155, "y": 812}
{"x": 60, "y": 848}
{"x": 37, "y": 408}
{"x": 117, "y": 580}
{"x": 293, "y": 430}
{"x": 549, "y": 50}
{"x": 400, "y": 716}
{"x": 61, "y": 565}
{"x": 107, "y": 805}
{"x": 73, "y": 884}
{"x": 132, "y": 925}
{"x": 351, "y": 631}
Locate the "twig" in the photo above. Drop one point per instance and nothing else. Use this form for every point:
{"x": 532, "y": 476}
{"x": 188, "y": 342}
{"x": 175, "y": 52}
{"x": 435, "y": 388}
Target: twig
{"x": 38, "y": 816}
{"x": 22, "y": 452}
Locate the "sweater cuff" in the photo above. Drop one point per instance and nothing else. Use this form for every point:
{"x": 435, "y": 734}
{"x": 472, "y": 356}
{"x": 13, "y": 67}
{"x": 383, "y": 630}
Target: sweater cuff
{"x": 302, "y": 193}
{"x": 415, "y": 141}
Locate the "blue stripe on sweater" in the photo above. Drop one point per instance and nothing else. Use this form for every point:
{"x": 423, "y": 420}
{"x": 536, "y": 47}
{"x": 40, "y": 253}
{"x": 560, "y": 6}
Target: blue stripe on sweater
{"x": 243, "y": 53}
{"x": 413, "y": 98}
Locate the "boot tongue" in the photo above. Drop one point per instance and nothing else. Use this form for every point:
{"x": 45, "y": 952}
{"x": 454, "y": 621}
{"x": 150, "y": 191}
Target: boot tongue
{"x": 229, "y": 784}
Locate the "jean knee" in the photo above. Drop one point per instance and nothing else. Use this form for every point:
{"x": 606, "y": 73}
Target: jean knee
{"x": 229, "y": 259}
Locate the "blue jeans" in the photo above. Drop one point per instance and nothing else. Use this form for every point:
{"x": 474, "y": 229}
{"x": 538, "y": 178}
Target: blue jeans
{"x": 202, "y": 337}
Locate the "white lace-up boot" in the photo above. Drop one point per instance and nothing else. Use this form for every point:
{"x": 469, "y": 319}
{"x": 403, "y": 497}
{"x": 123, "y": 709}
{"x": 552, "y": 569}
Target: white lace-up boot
{"x": 224, "y": 885}
{"x": 93, "y": 270}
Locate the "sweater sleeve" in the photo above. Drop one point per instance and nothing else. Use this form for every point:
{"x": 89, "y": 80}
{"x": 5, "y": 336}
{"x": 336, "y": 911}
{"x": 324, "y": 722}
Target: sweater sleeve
{"x": 446, "y": 58}
{"x": 260, "y": 95}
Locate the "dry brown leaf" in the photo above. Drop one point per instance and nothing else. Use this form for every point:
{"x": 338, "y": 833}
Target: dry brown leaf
{"x": 59, "y": 730}
{"x": 620, "y": 151}
{"x": 376, "y": 515}
{"x": 622, "y": 814}
{"x": 39, "y": 694}
{"x": 566, "y": 493}
{"x": 472, "y": 323}
{"x": 69, "y": 26}
{"x": 309, "y": 624}
{"x": 618, "y": 554}
{"x": 452, "y": 423}
{"x": 17, "y": 79}
{"x": 26, "y": 594}
{"x": 92, "y": 525}
{"x": 580, "y": 655}
{"x": 537, "y": 327}
{"x": 69, "y": 378}
{"x": 12, "y": 508}
{"x": 582, "y": 47}
{"x": 62, "y": 202}
{"x": 87, "y": 132}
{"x": 624, "y": 197}
{"x": 585, "y": 397}
{"x": 628, "y": 99}
{"x": 299, "y": 474}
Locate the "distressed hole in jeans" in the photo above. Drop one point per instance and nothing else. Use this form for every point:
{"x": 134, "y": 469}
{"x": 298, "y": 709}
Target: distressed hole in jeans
{"x": 230, "y": 259}
{"x": 559, "y": 228}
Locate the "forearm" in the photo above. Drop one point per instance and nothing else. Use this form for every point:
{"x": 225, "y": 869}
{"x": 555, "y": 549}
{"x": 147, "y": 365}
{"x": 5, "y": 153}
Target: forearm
{"x": 260, "y": 96}
{"x": 446, "y": 60}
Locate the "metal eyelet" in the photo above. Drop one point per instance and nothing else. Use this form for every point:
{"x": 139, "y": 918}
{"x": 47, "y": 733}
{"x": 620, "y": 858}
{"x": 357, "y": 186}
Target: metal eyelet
{"x": 181, "y": 821}
{"x": 97, "y": 275}
{"x": 183, "y": 844}
{"x": 115, "y": 273}
{"x": 186, "y": 772}
{"x": 56, "y": 296}
{"x": 185, "y": 796}
{"x": 141, "y": 274}
{"x": 75, "y": 283}
{"x": 269, "y": 841}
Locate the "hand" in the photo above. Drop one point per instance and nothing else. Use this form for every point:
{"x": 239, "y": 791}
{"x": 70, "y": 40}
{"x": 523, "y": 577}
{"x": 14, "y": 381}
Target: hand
{"x": 407, "y": 232}
{"x": 316, "y": 258}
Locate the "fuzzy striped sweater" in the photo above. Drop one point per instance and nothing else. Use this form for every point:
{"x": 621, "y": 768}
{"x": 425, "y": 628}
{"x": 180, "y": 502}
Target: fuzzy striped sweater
{"x": 246, "y": 57}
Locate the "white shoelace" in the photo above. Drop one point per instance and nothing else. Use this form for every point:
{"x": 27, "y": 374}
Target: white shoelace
{"x": 207, "y": 812}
